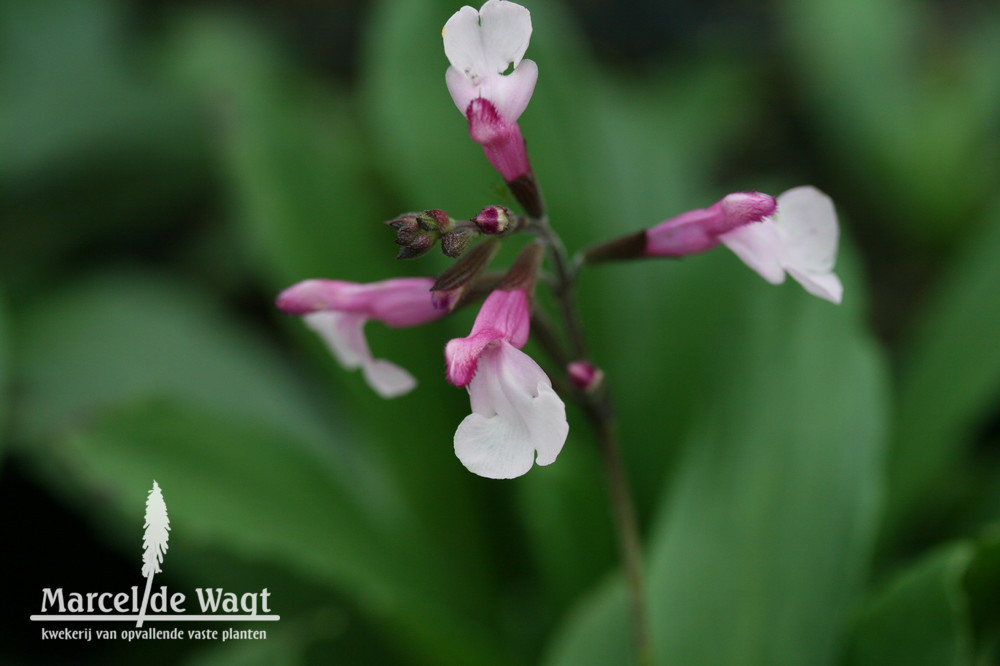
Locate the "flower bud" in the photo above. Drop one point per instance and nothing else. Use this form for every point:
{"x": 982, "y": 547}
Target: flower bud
{"x": 418, "y": 232}
{"x": 584, "y": 376}
{"x": 417, "y": 247}
{"x": 436, "y": 220}
{"x": 493, "y": 220}
{"x": 455, "y": 243}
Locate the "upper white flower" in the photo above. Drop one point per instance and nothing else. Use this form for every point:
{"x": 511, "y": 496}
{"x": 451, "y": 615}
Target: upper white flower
{"x": 800, "y": 238}
{"x": 481, "y": 46}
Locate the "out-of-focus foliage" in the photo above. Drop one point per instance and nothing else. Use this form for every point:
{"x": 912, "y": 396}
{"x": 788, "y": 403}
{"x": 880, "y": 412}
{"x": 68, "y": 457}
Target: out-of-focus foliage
{"x": 816, "y": 484}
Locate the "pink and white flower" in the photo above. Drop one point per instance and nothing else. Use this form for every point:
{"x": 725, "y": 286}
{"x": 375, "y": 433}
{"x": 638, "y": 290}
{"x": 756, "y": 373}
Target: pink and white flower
{"x": 700, "y": 230}
{"x": 800, "y": 238}
{"x": 338, "y": 311}
{"x": 481, "y": 46}
{"x": 517, "y": 418}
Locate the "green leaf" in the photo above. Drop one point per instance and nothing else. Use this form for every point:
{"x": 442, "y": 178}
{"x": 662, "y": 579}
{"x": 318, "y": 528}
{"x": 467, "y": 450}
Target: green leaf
{"x": 292, "y": 154}
{"x": 874, "y": 80}
{"x": 93, "y": 141}
{"x": 124, "y": 335}
{"x": 763, "y": 538}
{"x": 235, "y": 481}
{"x": 921, "y": 617}
{"x": 255, "y": 489}
{"x": 950, "y": 376}
{"x": 597, "y": 631}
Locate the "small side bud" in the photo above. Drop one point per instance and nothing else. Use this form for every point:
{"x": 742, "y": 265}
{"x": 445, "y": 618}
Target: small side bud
{"x": 455, "y": 243}
{"x": 436, "y": 220}
{"x": 584, "y": 376}
{"x": 493, "y": 220}
{"x": 418, "y": 247}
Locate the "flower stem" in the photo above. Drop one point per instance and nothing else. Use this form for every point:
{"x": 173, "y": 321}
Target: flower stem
{"x": 597, "y": 405}
{"x": 626, "y": 524}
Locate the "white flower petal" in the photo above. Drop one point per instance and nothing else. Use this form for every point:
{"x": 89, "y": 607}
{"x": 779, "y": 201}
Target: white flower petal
{"x": 482, "y": 44}
{"x": 824, "y": 285}
{"x": 516, "y": 414}
{"x": 758, "y": 245}
{"x": 463, "y": 44}
{"x": 343, "y": 333}
{"x": 807, "y": 223}
{"x": 388, "y": 379}
{"x": 462, "y": 89}
{"x": 506, "y": 31}
{"x": 510, "y": 94}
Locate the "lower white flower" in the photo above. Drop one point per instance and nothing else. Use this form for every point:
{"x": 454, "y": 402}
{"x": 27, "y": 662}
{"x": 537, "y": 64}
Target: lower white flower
{"x": 343, "y": 333}
{"x": 800, "y": 238}
{"x": 515, "y": 415}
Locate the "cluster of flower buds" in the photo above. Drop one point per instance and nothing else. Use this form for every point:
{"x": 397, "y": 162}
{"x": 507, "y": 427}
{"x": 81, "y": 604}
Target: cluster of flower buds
{"x": 517, "y": 418}
{"x": 417, "y": 233}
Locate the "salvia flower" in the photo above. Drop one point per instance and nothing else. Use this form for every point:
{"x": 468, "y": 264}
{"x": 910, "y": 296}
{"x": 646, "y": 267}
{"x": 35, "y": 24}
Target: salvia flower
{"x": 517, "y": 418}
{"x": 699, "y": 230}
{"x": 481, "y": 46}
{"x": 338, "y": 311}
{"x": 800, "y": 238}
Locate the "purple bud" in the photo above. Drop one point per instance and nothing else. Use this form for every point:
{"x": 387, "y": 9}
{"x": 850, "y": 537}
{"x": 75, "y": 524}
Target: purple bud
{"x": 584, "y": 376}
{"x": 493, "y": 220}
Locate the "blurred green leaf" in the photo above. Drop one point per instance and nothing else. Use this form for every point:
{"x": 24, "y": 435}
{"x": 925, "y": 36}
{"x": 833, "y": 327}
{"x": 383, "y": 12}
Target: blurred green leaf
{"x": 776, "y": 505}
{"x": 982, "y": 584}
{"x": 291, "y": 153}
{"x": 906, "y": 113}
{"x": 762, "y": 541}
{"x": 921, "y": 617}
{"x": 949, "y": 378}
{"x": 124, "y": 335}
{"x": 92, "y": 139}
{"x": 566, "y": 513}
{"x": 234, "y": 481}
{"x": 596, "y": 631}
{"x": 247, "y": 486}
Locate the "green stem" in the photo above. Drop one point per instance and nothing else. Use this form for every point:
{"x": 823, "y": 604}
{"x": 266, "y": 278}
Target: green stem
{"x": 597, "y": 405}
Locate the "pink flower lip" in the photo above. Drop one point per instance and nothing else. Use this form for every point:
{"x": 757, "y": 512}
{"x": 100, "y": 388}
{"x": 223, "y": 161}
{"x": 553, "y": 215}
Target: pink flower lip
{"x": 505, "y": 316}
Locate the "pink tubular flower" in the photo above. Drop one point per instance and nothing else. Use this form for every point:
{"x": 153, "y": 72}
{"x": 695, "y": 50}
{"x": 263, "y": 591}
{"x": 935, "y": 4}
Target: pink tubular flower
{"x": 800, "y": 238}
{"x": 338, "y": 311}
{"x": 481, "y": 46}
{"x": 700, "y": 230}
{"x": 515, "y": 412}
